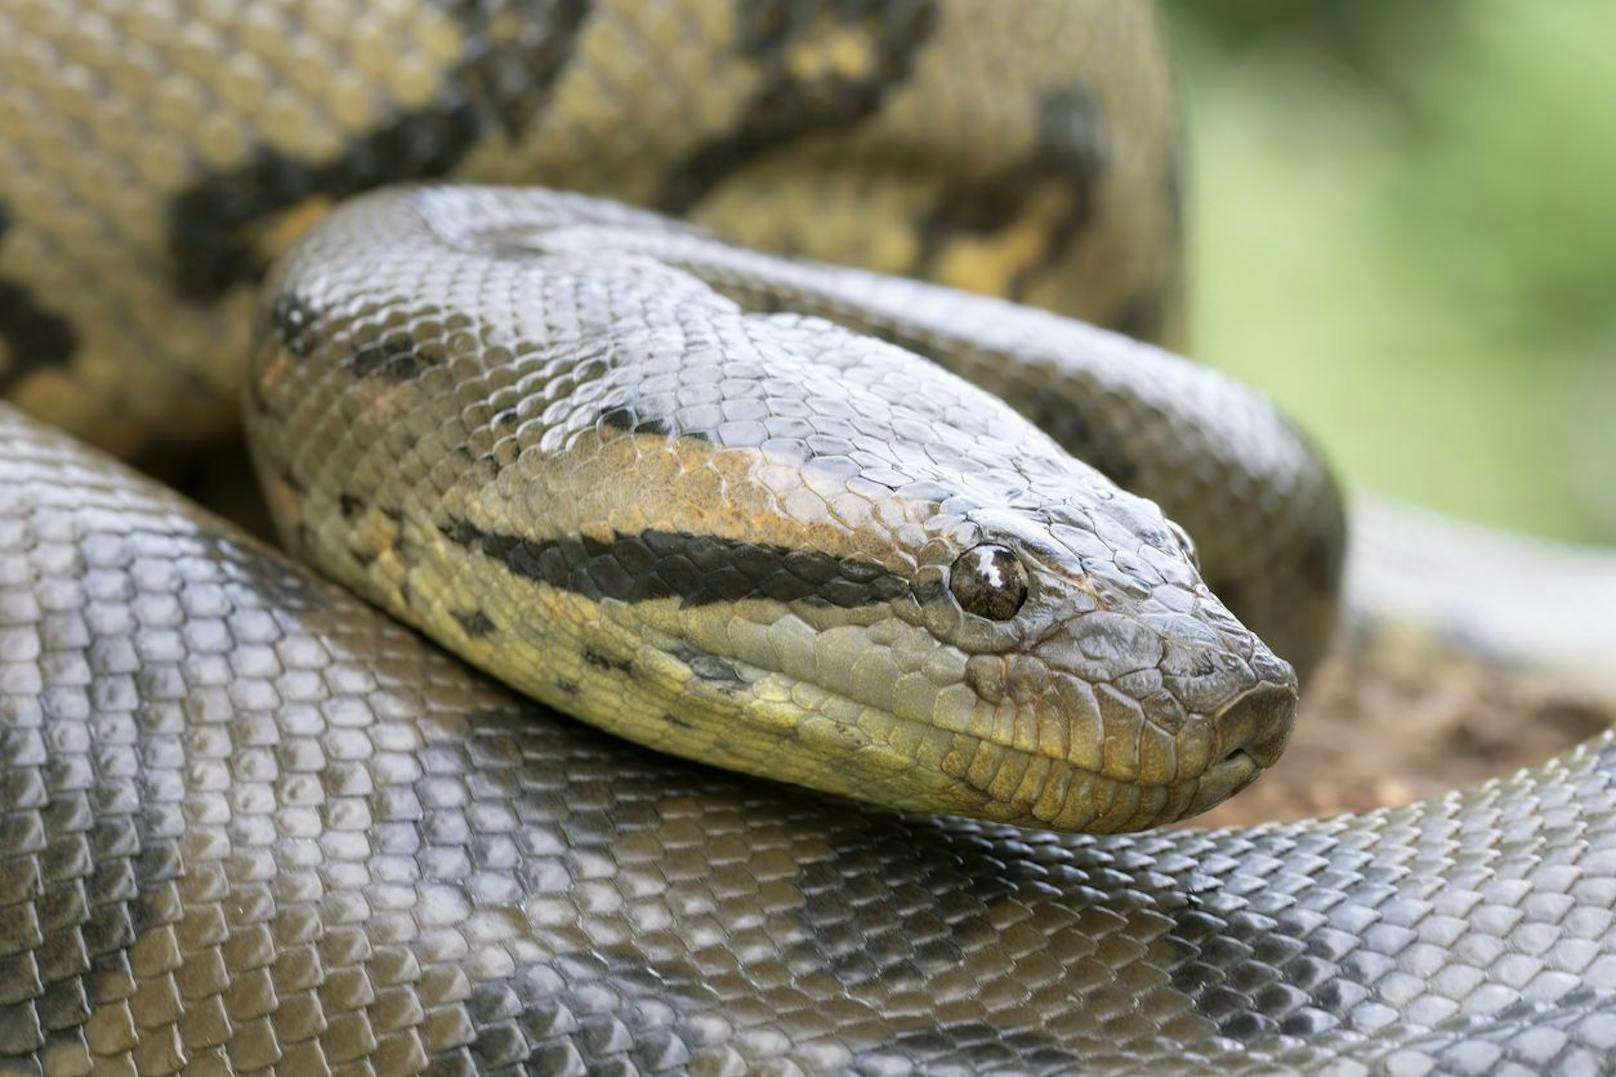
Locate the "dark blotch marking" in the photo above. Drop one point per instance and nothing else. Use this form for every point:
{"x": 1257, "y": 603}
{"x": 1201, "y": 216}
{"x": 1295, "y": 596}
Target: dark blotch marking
{"x": 500, "y": 87}
{"x": 293, "y": 320}
{"x": 395, "y": 357}
{"x": 566, "y": 687}
{"x": 908, "y": 946}
{"x": 1234, "y": 971}
{"x": 1144, "y": 316}
{"x": 92, "y": 869}
{"x": 1072, "y": 151}
{"x": 34, "y": 336}
{"x": 609, "y": 1009}
{"x": 618, "y": 418}
{"x": 349, "y": 505}
{"x": 362, "y": 558}
{"x": 695, "y": 569}
{"x": 606, "y": 661}
{"x": 709, "y": 667}
{"x": 675, "y": 720}
{"x": 627, "y": 420}
{"x": 785, "y": 106}
{"x": 475, "y": 624}
{"x": 524, "y": 1023}
{"x": 1097, "y": 444}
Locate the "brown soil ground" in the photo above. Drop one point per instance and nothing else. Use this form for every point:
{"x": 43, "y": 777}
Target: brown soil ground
{"x": 1392, "y": 719}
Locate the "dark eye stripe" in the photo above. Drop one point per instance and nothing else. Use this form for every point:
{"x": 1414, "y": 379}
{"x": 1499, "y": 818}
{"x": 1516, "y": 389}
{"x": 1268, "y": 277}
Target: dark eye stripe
{"x": 696, "y": 569}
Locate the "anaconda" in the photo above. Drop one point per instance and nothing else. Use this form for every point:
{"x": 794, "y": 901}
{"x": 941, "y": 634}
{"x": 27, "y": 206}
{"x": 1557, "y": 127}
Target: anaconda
{"x": 255, "y": 826}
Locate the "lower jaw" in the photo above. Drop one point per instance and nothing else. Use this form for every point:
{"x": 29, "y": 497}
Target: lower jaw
{"x": 1095, "y": 804}
{"x": 1042, "y": 792}
{"x": 1220, "y": 782}
{"x": 1015, "y": 786}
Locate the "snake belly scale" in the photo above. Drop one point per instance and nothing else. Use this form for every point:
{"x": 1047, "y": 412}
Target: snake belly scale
{"x": 740, "y": 508}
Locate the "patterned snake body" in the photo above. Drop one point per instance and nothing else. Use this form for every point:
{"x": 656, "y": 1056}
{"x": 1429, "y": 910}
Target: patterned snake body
{"x": 714, "y": 500}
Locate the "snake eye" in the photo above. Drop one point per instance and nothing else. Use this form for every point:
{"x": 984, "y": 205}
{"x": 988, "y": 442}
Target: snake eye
{"x": 1186, "y": 543}
{"x": 989, "y": 581}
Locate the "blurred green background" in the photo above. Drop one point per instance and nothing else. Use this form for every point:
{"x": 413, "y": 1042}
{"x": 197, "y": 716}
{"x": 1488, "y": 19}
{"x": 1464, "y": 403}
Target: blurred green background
{"x": 1403, "y": 226}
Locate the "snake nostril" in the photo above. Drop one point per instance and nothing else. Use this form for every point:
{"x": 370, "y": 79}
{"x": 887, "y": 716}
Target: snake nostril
{"x": 1258, "y": 723}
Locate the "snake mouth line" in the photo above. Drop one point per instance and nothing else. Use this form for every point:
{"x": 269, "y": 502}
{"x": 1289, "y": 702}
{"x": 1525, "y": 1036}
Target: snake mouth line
{"x": 1234, "y": 772}
{"x": 1238, "y": 755}
{"x": 1012, "y": 784}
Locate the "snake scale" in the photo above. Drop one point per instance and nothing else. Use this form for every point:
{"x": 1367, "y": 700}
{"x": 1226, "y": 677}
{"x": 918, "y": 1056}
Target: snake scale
{"x": 734, "y": 506}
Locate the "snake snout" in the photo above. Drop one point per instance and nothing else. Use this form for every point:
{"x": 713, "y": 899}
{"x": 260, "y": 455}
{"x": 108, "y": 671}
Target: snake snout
{"x": 1257, "y": 724}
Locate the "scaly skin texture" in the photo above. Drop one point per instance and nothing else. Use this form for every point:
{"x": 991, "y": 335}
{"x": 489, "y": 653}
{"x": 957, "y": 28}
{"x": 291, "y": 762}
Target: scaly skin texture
{"x": 159, "y": 156}
{"x": 252, "y": 825}
{"x": 744, "y": 538}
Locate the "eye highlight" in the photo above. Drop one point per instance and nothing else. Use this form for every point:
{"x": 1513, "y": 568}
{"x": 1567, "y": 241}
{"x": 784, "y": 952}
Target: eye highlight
{"x": 989, "y": 581}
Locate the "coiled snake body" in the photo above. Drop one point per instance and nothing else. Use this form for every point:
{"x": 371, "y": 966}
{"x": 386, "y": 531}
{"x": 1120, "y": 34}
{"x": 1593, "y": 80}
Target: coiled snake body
{"x": 715, "y": 501}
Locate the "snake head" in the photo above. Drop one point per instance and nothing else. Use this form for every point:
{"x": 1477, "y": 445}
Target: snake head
{"x": 1055, "y": 661}
{"x": 759, "y": 540}
{"x": 1106, "y": 687}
